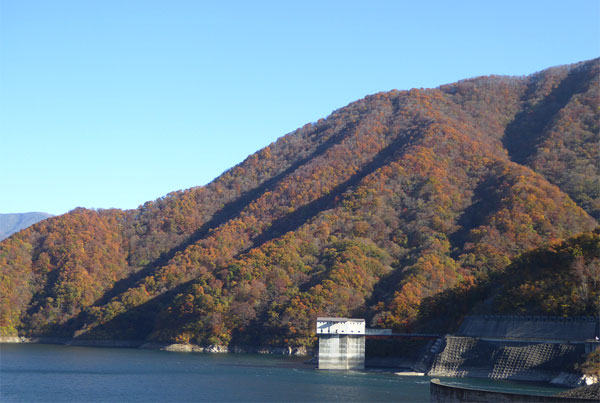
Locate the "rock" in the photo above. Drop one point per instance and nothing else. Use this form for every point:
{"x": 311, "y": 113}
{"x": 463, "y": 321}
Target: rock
{"x": 216, "y": 349}
{"x": 12, "y": 339}
{"x": 572, "y": 380}
{"x": 178, "y": 347}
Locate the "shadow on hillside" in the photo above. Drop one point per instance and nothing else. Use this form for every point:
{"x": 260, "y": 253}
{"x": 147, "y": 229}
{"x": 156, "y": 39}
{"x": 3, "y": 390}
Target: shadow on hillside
{"x": 525, "y": 132}
{"x": 135, "y": 324}
{"x": 279, "y": 227}
{"x": 483, "y": 204}
{"x": 303, "y": 214}
{"x": 229, "y": 211}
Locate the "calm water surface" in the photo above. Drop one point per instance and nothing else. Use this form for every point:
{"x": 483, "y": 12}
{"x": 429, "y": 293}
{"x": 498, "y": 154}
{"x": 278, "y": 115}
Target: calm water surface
{"x": 49, "y": 373}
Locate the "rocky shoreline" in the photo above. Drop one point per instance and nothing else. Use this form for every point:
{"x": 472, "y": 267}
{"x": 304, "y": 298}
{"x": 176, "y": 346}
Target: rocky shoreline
{"x": 187, "y": 348}
{"x": 173, "y": 347}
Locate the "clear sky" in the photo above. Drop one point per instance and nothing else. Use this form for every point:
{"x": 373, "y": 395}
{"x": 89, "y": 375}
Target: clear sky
{"x": 111, "y": 103}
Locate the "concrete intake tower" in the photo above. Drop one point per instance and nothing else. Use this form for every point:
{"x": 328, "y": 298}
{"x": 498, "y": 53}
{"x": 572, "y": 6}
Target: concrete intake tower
{"x": 341, "y": 343}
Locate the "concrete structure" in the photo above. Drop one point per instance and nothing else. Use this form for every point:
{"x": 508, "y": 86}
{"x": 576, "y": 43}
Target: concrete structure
{"x": 530, "y": 327}
{"x": 527, "y": 348}
{"x": 504, "y": 359}
{"x": 341, "y": 343}
{"x": 440, "y": 393}
{"x": 378, "y": 332}
{"x": 340, "y": 326}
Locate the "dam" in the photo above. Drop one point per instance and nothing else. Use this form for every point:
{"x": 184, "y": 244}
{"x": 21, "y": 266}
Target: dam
{"x": 527, "y": 348}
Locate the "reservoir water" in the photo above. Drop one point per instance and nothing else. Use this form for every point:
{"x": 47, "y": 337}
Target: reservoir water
{"x": 53, "y": 373}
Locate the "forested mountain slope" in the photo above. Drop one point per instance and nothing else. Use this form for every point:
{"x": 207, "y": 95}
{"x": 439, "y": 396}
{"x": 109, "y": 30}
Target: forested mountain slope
{"x": 386, "y": 203}
{"x": 561, "y": 278}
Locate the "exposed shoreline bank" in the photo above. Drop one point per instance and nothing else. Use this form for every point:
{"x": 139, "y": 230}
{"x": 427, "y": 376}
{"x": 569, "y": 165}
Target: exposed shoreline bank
{"x": 172, "y": 347}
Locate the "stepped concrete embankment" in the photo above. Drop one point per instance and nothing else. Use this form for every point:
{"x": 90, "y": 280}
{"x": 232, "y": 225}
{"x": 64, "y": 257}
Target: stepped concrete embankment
{"x": 526, "y": 348}
{"x": 524, "y": 361}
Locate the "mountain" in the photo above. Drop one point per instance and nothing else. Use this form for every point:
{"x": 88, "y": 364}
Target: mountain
{"x": 379, "y": 210}
{"x": 561, "y": 278}
{"x": 11, "y": 223}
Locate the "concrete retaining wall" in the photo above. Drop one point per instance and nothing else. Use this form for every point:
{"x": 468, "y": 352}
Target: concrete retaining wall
{"x": 472, "y": 357}
{"x": 530, "y": 327}
{"x": 440, "y": 393}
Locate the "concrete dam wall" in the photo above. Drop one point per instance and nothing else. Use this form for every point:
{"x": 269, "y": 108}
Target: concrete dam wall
{"x": 473, "y": 357}
{"x": 440, "y": 393}
{"x": 530, "y": 327}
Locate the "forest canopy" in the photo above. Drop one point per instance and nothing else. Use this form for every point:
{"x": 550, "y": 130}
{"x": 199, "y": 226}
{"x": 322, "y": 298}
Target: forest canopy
{"x": 392, "y": 208}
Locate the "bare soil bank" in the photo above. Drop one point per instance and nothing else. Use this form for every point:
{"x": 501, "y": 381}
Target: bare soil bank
{"x": 174, "y": 347}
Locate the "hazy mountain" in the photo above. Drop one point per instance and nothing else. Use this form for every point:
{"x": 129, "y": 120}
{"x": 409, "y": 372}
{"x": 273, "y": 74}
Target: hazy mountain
{"x": 378, "y": 210}
{"x": 11, "y": 223}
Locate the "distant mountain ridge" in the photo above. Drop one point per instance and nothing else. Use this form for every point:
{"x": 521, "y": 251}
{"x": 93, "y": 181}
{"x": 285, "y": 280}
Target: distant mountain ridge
{"x": 384, "y": 210}
{"x": 14, "y": 222}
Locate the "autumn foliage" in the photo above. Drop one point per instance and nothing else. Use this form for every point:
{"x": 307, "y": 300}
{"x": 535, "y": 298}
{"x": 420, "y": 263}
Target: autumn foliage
{"x": 383, "y": 209}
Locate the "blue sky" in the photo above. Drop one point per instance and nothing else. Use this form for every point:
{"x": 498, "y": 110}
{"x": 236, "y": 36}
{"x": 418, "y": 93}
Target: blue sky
{"x": 113, "y": 103}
